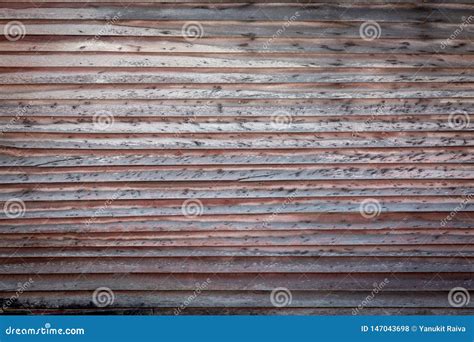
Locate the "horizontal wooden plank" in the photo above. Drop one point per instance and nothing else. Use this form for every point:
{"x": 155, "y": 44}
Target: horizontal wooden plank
{"x": 229, "y": 11}
{"x": 233, "y": 45}
{"x": 71, "y": 299}
{"x": 157, "y": 190}
{"x": 89, "y": 210}
{"x": 290, "y": 123}
{"x": 242, "y": 282}
{"x": 282, "y": 221}
{"x": 234, "y": 265}
{"x": 240, "y": 239}
{"x": 247, "y": 91}
{"x": 236, "y": 107}
{"x": 247, "y": 29}
{"x": 64, "y": 158}
{"x": 236, "y": 141}
{"x": 216, "y": 60}
{"x": 183, "y": 92}
{"x": 10, "y": 157}
{"x": 216, "y": 75}
{"x": 233, "y": 173}
{"x": 361, "y": 251}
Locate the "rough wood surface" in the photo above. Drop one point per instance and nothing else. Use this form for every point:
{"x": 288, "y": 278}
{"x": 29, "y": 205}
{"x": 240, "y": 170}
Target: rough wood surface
{"x": 161, "y": 150}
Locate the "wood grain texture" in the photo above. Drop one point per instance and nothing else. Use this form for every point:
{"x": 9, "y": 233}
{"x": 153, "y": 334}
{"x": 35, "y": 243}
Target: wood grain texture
{"x": 88, "y": 29}
{"x": 272, "y": 144}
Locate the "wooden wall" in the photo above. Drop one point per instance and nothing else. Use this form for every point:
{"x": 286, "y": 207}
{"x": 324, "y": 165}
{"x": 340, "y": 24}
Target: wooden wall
{"x": 209, "y": 157}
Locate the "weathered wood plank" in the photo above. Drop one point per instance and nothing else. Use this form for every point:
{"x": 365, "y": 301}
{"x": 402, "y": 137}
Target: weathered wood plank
{"x": 216, "y": 60}
{"x": 150, "y": 190}
{"x": 239, "y": 239}
{"x": 10, "y": 157}
{"x": 215, "y": 75}
{"x": 406, "y": 251}
{"x": 229, "y": 11}
{"x": 90, "y": 210}
{"x": 236, "y": 141}
{"x": 235, "y": 265}
{"x": 292, "y": 123}
{"x": 236, "y": 107}
{"x": 233, "y": 45}
{"x": 282, "y": 221}
{"x": 76, "y": 299}
{"x": 184, "y": 92}
{"x": 246, "y": 29}
{"x": 234, "y": 173}
{"x": 242, "y": 282}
